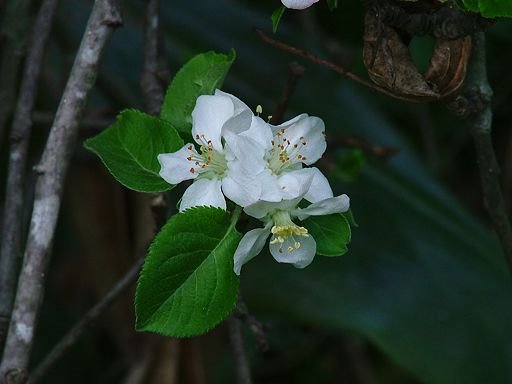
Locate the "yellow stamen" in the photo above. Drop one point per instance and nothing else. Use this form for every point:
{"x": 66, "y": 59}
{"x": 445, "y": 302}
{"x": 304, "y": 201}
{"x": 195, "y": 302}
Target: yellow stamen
{"x": 284, "y": 232}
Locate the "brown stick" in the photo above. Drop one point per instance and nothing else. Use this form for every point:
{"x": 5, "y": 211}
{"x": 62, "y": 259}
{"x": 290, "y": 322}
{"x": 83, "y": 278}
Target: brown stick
{"x": 296, "y": 73}
{"x": 325, "y": 63}
{"x": 149, "y": 82}
{"x": 52, "y": 169}
{"x": 242, "y": 368}
{"x": 480, "y": 127}
{"x": 475, "y": 105}
{"x": 10, "y": 251}
{"x": 15, "y": 25}
{"x": 93, "y": 124}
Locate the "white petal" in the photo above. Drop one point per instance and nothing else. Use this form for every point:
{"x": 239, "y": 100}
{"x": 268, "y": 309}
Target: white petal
{"x": 249, "y": 145}
{"x": 319, "y": 187}
{"x": 260, "y": 131}
{"x": 295, "y": 184}
{"x": 209, "y": 116}
{"x": 336, "y": 204}
{"x": 260, "y": 209}
{"x": 175, "y": 167}
{"x": 290, "y": 187}
{"x": 203, "y": 192}
{"x": 238, "y": 123}
{"x": 241, "y": 118}
{"x": 301, "y": 257}
{"x": 239, "y": 105}
{"x": 240, "y": 187}
{"x": 271, "y": 190}
{"x": 246, "y": 150}
{"x": 298, "y": 4}
{"x": 251, "y": 245}
{"x": 246, "y": 136}
{"x": 308, "y": 129}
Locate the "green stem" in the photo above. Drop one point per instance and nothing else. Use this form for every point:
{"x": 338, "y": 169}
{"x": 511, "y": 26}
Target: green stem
{"x": 235, "y": 216}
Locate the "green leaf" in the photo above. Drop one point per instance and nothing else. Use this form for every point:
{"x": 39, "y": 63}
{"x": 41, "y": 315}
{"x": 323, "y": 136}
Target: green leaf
{"x": 471, "y": 5}
{"x": 350, "y": 164}
{"x": 495, "y": 8}
{"x": 332, "y": 4}
{"x": 490, "y": 8}
{"x": 331, "y": 233}
{"x": 129, "y": 149}
{"x": 187, "y": 284}
{"x": 201, "y": 75}
{"x": 276, "y": 17}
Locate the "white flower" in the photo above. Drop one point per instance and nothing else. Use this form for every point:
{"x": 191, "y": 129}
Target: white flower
{"x": 217, "y": 121}
{"x": 277, "y": 154}
{"x": 298, "y": 4}
{"x": 289, "y": 243}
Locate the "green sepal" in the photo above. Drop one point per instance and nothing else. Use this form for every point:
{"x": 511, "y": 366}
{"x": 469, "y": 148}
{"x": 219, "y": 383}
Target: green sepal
{"x": 276, "y": 17}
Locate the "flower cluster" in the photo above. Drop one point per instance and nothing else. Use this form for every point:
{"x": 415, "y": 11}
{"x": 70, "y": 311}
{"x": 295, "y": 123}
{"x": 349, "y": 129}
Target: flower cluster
{"x": 260, "y": 167}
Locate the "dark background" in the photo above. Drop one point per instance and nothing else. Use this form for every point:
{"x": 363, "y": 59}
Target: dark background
{"x": 423, "y": 296}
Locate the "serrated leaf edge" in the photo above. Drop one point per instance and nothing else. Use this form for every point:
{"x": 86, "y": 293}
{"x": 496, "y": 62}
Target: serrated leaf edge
{"x": 145, "y": 327}
{"x": 89, "y": 144}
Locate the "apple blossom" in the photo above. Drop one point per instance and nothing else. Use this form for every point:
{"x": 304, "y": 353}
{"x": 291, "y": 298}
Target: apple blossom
{"x": 217, "y": 121}
{"x": 245, "y": 158}
{"x": 289, "y": 243}
{"x": 278, "y": 153}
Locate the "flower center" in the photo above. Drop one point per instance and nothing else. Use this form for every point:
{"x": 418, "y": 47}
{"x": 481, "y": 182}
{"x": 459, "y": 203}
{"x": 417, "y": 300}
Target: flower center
{"x": 209, "y": 163}
{"x": 285, "y": 229}
{"x": 284, "y": 152}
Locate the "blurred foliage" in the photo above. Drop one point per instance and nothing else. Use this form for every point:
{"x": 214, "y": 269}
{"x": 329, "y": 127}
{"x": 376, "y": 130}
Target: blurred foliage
{"x": 423, "y": 295}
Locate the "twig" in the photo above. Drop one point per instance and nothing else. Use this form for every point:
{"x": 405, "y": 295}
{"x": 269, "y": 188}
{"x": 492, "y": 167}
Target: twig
{"x": 243, "y": 370}
{"x": 150, "y": 82}
{"x": 87, "y": 321}
{"x": 445, "y": 22}
{"x": 258, "y": 329}
{"x": 95, "y": 124}
{"x": 475, "y": 105}
{"x": 52, "y": 169}
{"x": 325, "y": 63}
{"x": 296, "y": 73}
{"x": 15, "y": 25}
{"x": 507, "y": 175}
{"x": 10, "y": 251}
{"x": 112, "y": 86}
{"x": 357, "y": 142}
{"x": 138, "y": 372}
